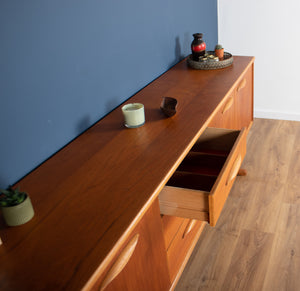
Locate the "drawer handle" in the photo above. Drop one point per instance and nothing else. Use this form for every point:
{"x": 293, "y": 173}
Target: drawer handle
{"x": 120, "y": 263}
{"x": 189, "y": 227}
{"x": 227, "y": 105}
{"x": 234, "y": 170}
{"x": 242, "y": 85}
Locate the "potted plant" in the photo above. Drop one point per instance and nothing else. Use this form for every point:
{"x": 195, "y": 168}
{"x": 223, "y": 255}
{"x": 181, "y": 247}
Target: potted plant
{"x": 16, "y": 206}
{"x": 219, "y": 51}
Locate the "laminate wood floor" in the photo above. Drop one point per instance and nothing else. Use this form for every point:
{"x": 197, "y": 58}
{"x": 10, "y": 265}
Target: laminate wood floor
{"x": 256, "y": 243}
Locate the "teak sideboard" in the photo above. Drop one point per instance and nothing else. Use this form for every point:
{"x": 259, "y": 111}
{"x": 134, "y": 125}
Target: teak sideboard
{"x": 122, "y": 209}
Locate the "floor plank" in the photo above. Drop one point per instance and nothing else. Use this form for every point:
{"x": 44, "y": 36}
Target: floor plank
{"x": 256, "y": 242}
{"x": 210, "y": 273}
{"x": 249, "y": 261}
{"x": 283, "y": 271}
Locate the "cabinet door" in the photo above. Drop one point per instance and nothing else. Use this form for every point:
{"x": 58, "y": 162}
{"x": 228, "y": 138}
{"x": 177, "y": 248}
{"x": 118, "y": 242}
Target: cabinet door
{"x": 244, "y": 99}
{"x": 141, "y": 263}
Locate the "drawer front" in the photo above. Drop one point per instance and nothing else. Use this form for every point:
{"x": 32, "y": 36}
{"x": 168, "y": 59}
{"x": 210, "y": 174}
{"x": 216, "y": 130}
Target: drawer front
{"x": 182, "y": 246}
{"x": 192, "y": 194}
{"x": 226, "y": 117}
{"x": 244, "y": 99}
{"x": 236, "y": 110}
{"x": 224, "y": 183}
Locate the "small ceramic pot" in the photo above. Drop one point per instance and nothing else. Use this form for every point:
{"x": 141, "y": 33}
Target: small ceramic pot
{"x": 18, "y": 214}
{"x": 219, "y": 53}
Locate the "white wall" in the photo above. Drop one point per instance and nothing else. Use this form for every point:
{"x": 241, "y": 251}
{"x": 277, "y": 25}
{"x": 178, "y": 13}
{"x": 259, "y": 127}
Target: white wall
{"x": 268, "y": 30}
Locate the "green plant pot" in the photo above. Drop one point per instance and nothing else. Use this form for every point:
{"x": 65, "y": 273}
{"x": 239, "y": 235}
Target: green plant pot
{"x": 18, "y": 214}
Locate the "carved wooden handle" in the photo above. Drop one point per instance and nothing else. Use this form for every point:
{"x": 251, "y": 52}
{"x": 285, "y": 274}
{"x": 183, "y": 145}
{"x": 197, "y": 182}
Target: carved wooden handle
{"x": 228, "y": 104}
{"x": 189, "y": 227}
{"x": 242, "y": 85}
{"x": 120, "y": 263}
{"x": 234, "y": 170}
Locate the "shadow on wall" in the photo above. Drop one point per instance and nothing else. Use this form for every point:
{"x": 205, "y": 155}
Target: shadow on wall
{"x": 178, "y": 52}
{"x": 111, "y": 104}
{"x": 179, "y": 56}
{"x": 83, "y": 124}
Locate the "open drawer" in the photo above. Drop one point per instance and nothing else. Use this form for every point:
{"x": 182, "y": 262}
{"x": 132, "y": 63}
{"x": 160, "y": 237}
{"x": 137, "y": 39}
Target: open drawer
{"x": 199, "y": 187}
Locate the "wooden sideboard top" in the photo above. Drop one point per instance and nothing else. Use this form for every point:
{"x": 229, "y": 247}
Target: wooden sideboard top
{"x": 88, "y": 194}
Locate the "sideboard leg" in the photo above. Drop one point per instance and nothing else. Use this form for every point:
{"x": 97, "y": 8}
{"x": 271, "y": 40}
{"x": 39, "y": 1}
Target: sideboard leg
{"x": 242, "y": 172}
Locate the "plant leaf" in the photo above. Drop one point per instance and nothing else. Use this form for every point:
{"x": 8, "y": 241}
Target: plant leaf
{"x": 5, "y": 192}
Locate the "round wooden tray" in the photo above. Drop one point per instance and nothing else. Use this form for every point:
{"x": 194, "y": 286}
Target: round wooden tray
{"x": 211, "y": 65}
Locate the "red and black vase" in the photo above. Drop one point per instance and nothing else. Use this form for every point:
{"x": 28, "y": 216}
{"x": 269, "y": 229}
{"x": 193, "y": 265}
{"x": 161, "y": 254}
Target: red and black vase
{"x": 198, "y": 46}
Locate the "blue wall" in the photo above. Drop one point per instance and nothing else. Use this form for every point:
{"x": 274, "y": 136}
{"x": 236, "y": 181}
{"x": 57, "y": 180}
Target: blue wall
{"x": 64, "y": 64}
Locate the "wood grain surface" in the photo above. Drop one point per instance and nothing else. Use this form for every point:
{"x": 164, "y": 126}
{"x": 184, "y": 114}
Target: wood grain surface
{"x": 93, "y": 192}
{"x": 255, "y": 245}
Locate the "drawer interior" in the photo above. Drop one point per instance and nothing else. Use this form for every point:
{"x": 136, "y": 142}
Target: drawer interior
{"x": 191, "y": 180}
{"x": 216, "y": 140}
{"x": 202, "y": 166}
